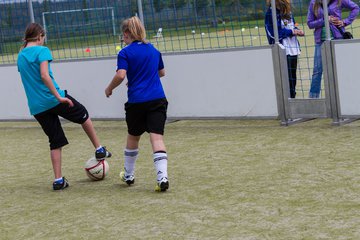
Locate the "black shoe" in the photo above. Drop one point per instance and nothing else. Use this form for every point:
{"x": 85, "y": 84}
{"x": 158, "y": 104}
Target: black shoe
{"x": 61, "y": 186}
{"x": 127, "y": 179}
{"x": 162, "y": 186}
{"x": 102, "y": 153}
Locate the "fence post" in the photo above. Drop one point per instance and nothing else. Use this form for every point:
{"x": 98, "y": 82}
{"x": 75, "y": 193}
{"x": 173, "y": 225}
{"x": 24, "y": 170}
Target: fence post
{"x": 326, "y": 19}
{"x": 281, "y": 82}
{"x": 141, "y": 13}
{"x": 275, "y": 26}
{"x": 328, "y": 71}
{"x": 31, "y": 11}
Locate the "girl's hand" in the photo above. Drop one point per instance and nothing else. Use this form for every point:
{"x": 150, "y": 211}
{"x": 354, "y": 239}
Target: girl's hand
{"x": 66, "y": 101}
{"x": 336, "y": 21}
{"x": 339, "y": 23}
{"x": 333, "y": 19}
{"x": 108, "y": 92}
{"x": 299, "y": 32}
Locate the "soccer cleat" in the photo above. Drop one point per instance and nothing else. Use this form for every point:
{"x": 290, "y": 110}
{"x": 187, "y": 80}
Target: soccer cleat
{"x": 61, "y": 185}
{"x": 130, "y": 179}
{"x": 102, "y": 153}
{"x": 162, "y": 185}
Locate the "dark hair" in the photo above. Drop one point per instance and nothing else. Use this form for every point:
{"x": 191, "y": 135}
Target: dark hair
{"x": 32, "y": 33}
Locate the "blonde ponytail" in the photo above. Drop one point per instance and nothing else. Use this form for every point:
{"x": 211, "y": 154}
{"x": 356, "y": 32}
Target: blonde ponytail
{"x": 135, "y": 28}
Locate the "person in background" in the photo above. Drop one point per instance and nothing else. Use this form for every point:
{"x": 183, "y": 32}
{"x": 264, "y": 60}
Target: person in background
{"x": 47, "y": 101}
{"x": 288, "y": 32}
{"x": 315, "y": 20}
{"x": 146, "y": 107}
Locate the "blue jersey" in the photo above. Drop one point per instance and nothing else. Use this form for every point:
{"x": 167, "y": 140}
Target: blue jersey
{"x": 38, "y": 94}
{"x": 142, "y": 62}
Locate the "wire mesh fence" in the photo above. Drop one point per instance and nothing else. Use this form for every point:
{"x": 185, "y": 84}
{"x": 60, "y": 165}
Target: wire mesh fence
{"x": 91, "y": 28}
{"x": 77, "y": 29}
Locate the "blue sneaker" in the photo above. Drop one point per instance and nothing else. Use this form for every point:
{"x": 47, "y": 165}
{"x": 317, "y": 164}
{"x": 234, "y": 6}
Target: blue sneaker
{"x": 60, "y": 185}
{"x": 102, "y": 153}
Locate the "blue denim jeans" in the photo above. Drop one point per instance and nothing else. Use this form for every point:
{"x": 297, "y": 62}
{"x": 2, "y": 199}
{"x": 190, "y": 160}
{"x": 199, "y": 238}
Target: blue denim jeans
{"x": 317, "y": 73}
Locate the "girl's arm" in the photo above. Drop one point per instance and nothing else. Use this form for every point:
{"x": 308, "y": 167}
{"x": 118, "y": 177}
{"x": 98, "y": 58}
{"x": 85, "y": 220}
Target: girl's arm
{"x": 269, "y": 27}
{"x": 297, "y": 31}
{"x": 45, "y": 77}
{"x": 116, "y": 81}
{"x": 354, "y": 11}
{"x": 162, "y": 72}
{"x": 312, "y": 20}
{"x": 283, "y": 32}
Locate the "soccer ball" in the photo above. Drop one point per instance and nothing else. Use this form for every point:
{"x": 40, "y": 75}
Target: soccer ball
{"x": 96, "y": 170}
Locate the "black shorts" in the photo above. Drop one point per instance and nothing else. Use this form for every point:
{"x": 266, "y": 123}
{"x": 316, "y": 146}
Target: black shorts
{"x": 146, "y": 117}
{"x": 50, "y": 122}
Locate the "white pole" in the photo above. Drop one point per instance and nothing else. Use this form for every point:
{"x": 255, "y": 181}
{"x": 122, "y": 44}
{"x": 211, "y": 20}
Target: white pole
{"x": 141, "y": 13}
{"x": 113, "y": 21}
{"x": 326, "y": 19}
{"x": 31, "y": 11}
{"x": 275, "y": 26}
{"x": 44, "y": 25}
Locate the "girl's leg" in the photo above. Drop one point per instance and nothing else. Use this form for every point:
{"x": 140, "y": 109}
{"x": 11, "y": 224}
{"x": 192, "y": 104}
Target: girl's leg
{"x": 160, "y": 161}
{"x": 132, "y": 142}
{"x": 101, "y": 152}
{"x": 60, "y": 182}
{"x": 157, "y": 142}
{"x": 51, "y": 126}
{"x": 90, "y": 131}
{"x": 317, "y": 73}
{"x": 131, "y": 153}
{"x": 292, "y": 67}
{"x": 55, "y": 155}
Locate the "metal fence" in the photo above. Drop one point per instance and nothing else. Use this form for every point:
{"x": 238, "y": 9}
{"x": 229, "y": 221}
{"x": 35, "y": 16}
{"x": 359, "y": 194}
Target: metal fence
{"x": 90, "y": 28}
{"x": 78, "y": 29}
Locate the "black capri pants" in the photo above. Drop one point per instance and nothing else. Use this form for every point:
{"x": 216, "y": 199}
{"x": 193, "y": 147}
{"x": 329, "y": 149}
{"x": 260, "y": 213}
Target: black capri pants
{"x": 50, "y": 122}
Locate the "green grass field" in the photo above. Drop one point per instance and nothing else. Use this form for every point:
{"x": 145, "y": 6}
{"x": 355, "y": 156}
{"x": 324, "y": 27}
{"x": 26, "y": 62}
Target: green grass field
{"x": 229, "y": 179}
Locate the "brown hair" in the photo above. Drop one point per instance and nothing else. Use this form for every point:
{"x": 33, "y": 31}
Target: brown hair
{"x": 318, "y": 4}
{"x": 135, "y": 28}
{"x": 284, "y": 7}
{"x": 32, "y": 33}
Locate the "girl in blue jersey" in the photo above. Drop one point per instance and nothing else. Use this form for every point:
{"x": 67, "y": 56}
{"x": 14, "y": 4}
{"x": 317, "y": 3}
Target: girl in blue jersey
{"x": 47, "y": 101}
{"x": 146, "y": 107}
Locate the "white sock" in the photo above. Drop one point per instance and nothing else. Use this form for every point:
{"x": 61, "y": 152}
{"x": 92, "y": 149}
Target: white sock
{"x": 130, "y": 156}
{"x": 58, "y": 179}
{"x": 160, "y": 163}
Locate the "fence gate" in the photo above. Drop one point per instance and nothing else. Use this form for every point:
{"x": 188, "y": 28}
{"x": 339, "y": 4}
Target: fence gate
{"x": 292, "y": 110}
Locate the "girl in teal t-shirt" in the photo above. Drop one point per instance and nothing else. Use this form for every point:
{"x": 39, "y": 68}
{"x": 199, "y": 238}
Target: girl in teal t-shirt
{"x": 47, "y": 101}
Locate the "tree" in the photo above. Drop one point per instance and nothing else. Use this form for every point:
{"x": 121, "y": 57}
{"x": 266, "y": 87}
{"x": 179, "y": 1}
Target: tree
{"x": 45, "y": 6}
{"x": 176, "y": 4}
{"x": 200, "y": 5}
{"x": 133, "y": 6}
{"x": 86, "y": 14}
{"x": 9, "y": 20}
{"x": 179, "y": 3}
{"x": 159, "y": 5}
{"x": 213, "y": 7}
{"x": 1, "y": 40}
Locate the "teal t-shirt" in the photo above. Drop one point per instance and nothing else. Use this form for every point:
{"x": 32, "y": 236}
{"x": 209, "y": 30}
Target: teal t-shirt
{"x": 38, "y": 94}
